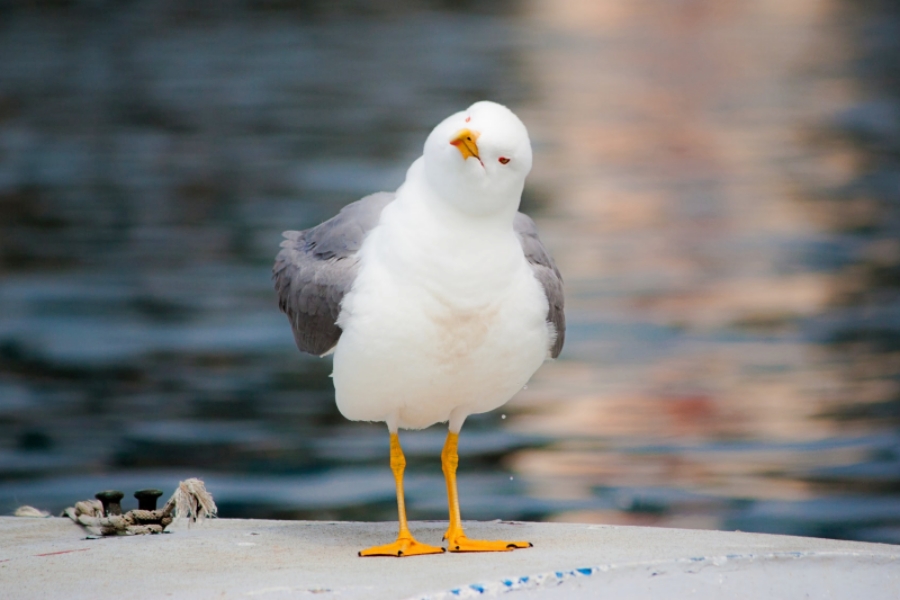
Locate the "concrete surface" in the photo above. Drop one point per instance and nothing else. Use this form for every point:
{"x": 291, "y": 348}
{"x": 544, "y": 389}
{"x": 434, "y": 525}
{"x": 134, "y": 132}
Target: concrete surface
{"x": 50, "y": 558}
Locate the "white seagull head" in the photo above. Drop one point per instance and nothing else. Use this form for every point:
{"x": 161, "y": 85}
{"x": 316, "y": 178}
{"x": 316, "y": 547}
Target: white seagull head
{"x": 477, "y": 159}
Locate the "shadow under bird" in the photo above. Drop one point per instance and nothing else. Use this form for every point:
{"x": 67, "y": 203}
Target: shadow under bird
{"x": 438, "y": 300}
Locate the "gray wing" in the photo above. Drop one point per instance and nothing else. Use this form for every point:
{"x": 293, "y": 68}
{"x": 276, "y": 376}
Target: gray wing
{"x": 316, "y": 267}
{"x": 547, "y": 274}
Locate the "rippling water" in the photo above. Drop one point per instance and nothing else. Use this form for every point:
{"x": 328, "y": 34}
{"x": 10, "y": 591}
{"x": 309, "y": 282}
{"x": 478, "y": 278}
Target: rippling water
{"x": 719, "y": 183}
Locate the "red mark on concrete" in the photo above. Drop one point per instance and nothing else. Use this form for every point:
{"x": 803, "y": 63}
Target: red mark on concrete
{"x": 63, "y": 552}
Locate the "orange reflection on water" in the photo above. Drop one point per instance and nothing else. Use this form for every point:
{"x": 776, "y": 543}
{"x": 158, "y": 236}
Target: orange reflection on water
{"x": 673, "y": 155}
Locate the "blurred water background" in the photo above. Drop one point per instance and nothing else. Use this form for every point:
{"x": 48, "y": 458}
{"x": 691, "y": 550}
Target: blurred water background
{"x": 719, "y": 182}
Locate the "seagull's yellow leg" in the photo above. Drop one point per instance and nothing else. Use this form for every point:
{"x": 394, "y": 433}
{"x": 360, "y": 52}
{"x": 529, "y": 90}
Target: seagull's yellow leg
{"x": 455, "y": 536}
{"x": 406, "y": 544}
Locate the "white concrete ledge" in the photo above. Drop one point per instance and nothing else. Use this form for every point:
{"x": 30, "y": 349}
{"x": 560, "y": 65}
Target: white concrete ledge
{"x": 49, "y": 558}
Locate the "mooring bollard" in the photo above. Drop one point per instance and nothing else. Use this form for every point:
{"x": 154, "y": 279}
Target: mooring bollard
{"x": 147, "y": 498}
{"x": 111, "y": 500}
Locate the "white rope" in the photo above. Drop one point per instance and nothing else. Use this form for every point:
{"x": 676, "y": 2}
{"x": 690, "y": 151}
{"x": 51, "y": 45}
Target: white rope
{"x": 31, "y": 512}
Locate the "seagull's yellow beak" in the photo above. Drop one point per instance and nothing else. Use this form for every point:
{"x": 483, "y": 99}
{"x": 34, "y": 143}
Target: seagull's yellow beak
{"x": 465, "y": 143}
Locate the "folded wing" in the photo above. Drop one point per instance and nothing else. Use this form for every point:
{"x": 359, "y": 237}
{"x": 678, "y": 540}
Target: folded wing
{"x": 547, "y": 274}
{"x": 317, "y": 266}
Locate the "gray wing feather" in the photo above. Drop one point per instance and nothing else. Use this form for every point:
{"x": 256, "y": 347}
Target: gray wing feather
{"x": 317, "y": 266}
{"x": 547, "y": 274}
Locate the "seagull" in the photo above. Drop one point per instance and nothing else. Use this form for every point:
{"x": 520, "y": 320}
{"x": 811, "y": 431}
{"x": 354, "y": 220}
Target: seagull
{"x": 438, "y": 300}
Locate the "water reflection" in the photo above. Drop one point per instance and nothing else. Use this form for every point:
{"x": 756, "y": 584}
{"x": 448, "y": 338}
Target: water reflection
{"x": 717, "y": 181}
{"x": 734, "y": 362}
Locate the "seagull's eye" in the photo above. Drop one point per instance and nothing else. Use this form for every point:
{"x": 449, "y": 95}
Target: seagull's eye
{"x": 503, "y": 160}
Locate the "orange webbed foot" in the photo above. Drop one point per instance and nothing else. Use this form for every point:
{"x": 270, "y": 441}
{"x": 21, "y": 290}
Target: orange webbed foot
{"x": 458, "y": 542}
{"x": 404, "y": 546}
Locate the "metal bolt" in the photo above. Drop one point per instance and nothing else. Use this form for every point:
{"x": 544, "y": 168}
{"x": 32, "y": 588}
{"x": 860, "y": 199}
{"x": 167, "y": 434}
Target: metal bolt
{"x": 147, "y": 498}
{"x": 111, "y": 500}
